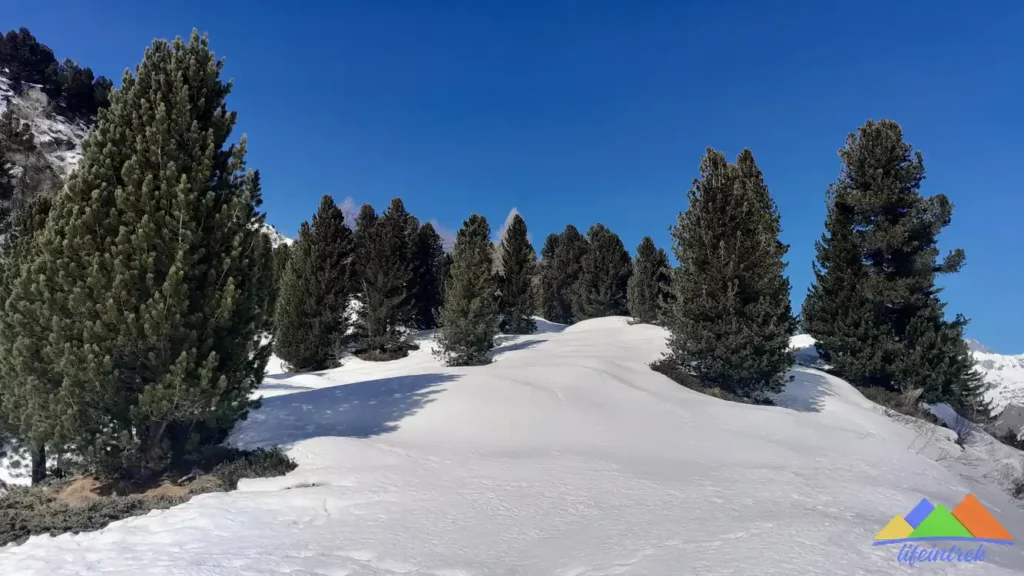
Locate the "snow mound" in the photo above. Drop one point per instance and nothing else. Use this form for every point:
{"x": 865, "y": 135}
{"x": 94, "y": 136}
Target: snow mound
{"x": 568, "y": 456}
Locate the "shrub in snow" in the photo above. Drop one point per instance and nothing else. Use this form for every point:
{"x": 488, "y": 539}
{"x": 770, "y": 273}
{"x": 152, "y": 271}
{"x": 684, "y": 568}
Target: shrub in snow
{"x": 516, "y": 281}
{"x": 649, "y": 293}
{"x": 54, "y": 508}
{"x": 145, "y": 298}
{"x": 731, "y": 320}
{"x": 469, "y": 317}
{"x": 605, "y": 269}
{"x": 311, "y": 324}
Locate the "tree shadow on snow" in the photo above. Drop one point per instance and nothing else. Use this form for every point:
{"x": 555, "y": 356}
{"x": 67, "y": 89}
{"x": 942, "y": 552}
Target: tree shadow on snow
{"x": 357, "y": 410}
{"x": 806, "y": 393}
{"x": 502, "y": 345}
{"x": 281, "y": 386}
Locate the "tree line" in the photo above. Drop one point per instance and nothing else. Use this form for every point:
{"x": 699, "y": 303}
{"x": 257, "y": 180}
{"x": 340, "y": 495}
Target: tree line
{"x": 78, "y": 93}
{"x": 136, "y": 304}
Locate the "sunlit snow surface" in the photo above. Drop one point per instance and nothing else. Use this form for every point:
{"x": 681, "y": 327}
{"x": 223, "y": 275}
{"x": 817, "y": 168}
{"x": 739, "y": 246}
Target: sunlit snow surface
{"x": 567, "y": 456}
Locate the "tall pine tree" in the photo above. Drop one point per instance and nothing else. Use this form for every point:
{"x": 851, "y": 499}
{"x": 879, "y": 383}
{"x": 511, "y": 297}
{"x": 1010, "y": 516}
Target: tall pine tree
{"x": 469, "y": 317}
{"x": 311, "y": 321}
{"x": 874, "y": 306}
{"x": 139, "y": 315}
{"x": 650, "y": 287}
{"x": 547, "y": 296}
{"x": 600, "y": 289}
{"x": 365, "y": 221}
{"x": 24, "y": 226}
{"x": 428, "y": 268}
{"x": 516, "y": 282}
{"x": 731, "y": 321}
{"x": 561, "y": 272}
{"x": 386, "y": 268}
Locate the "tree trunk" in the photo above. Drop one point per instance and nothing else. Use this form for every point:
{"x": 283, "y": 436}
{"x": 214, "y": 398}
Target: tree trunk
{"x": 38, "y": 453}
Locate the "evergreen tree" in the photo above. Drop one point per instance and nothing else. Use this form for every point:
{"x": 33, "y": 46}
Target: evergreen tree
{"x": 874, "y": 306}
{"x": 516, "y": 281}
{"x": 365, "y": 221}
{"x": 429, "y": 271}
{"x": 25, "y": 224}
{"x": 600, "y": 289}
{"x": 386, "y": 271}
{"x": 563, "y": 273}
{"x": 138, "y": 317}
{"x": 650, "y": 287}
{"x": 311, "y": 321}
{"x": 280, "y": 255}
{"x": 469, "y": 316}
{"x": 731, "y": 321}
{"x": 547, "y": 292}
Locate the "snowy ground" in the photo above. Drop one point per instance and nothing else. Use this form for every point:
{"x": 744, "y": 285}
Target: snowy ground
{"x": 568, "y": 456}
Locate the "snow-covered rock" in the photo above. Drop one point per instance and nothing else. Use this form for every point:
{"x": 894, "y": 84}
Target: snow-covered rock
{"x": 567, "y": 456}
{"x": 60, "y": 139}
{"x": 276, "y": 238}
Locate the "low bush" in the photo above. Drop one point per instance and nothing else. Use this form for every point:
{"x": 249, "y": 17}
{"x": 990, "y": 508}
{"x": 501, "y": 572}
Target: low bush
{"x": 86, "y": 504}
{"x": 907, "y": 403}
{"x": 394, "y": 353}
{"x": 672, "y": 370}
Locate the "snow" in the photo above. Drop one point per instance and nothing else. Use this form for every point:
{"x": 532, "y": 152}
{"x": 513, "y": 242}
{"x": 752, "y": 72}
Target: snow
{"x": 1005, "y": 373}
{"x": 276, "y": 238}
{"x": 566, "y": 456}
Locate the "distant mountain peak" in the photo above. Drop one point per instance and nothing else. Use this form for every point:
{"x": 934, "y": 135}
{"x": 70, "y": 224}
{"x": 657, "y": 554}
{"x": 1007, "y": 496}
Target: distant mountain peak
{"x": 975, "y": 346}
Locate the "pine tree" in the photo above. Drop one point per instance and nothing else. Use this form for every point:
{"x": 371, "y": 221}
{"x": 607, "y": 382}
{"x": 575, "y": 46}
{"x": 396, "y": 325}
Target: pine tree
{"x": 387, "y": 268}
{"x": 365, "y": 222}
{"x": 516, "y": 282}
{"x": 562, "y": 273}
{"x": 731, "y": 321}
{"x": 874, "y": 306}
{"x": 547, "y": 293}
{"x": 139, "y": 315}
{"x": 311, "y": 322}
{"x": 469, "y": 316}
{"x": 24, "y": 226}
{"x": 650, "y": 287}
{"x": 280, "y": 255}
{"x": 429, "y": 271}
{"x": 604, "y": 277}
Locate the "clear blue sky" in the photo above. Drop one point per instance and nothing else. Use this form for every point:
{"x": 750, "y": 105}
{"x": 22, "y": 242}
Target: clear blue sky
{"x": 586, "y": 111}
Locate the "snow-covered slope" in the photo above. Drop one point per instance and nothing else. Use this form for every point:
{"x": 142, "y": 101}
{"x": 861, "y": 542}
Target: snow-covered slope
{"x": 567, "y": 456}
{"x": 59, "y": 138}
{"x": 1006, "y": 375}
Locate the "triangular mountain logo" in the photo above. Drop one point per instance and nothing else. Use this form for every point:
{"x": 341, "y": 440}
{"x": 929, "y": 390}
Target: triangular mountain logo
{"x": 968, "y": 521}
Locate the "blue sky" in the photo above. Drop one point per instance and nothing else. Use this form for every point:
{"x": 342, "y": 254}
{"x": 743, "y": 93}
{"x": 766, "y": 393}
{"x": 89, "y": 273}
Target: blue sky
{"x": 582, "y": 112}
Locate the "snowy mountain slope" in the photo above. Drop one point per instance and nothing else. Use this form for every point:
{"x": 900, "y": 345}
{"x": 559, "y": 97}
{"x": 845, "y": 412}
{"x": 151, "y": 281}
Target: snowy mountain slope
{"x": 1006, "y": 375}
{"x": 567, "y": 456}
{"x": 59, "y": 138}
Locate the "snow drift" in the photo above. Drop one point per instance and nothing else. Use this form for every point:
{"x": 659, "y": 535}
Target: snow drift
{"x": 566, "y": 456}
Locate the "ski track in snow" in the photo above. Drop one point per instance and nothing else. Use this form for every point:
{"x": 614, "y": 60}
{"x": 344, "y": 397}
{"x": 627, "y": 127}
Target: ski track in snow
{"x": 567, "y": 456}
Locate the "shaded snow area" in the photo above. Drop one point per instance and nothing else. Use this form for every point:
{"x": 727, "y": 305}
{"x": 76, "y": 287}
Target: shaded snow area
{"x": 567, "y": 456}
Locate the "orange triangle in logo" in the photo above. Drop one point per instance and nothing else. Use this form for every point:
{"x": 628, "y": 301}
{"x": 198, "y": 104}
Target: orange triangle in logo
{"x": 978, "y": 521}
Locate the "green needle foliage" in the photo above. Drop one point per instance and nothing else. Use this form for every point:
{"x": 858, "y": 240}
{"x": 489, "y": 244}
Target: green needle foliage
{"x": 311, "y": 322}
{"x": 874, "y": 306}
{"x": 600, "y": 289}
{"x": 518, "y": 261}
{"x": 469, "y": 317}
{"x": 731, "y": 321}
{"x": 650, "y": 287}
{"x": 138, "y": 316}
